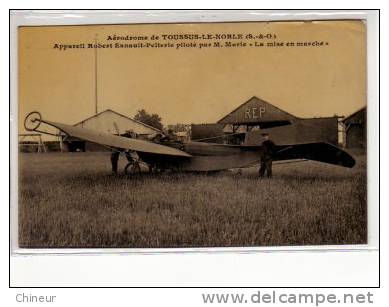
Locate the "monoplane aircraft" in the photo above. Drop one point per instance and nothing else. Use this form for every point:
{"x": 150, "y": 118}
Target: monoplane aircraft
{"x": 194, "y": 156}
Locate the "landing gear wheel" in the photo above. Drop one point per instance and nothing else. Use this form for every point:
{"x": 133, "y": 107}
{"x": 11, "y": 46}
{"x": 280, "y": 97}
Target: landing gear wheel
{"x": 132, "y": 168}
{"x": 32, "y": 121}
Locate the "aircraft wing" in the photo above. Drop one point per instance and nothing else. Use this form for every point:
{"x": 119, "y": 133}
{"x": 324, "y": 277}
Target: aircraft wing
{"x": 320, "y": 151}
{"x": 115, "y": 141}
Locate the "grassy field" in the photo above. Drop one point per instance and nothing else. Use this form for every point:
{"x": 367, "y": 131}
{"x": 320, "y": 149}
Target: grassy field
{"x": 72, "y": 200}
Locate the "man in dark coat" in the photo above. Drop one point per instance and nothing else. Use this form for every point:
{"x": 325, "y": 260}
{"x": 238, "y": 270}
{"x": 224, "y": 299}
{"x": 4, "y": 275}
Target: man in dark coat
{"x": 115, "y": 154}
{"x": 114, "y": 161}
{"x": 269, "y": 150}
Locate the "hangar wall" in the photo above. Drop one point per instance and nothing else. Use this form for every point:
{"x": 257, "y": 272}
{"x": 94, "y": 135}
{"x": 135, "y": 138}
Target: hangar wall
{"x": 300, "y": 131}
{"x": 256, "y": 112}
{"x": 355, "y": 129}
{"x": 215, "y": 133}
{"x": 205, "y": 131}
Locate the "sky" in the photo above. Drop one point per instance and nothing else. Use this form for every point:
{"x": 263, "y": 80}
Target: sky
{"x": 192, "y": 85}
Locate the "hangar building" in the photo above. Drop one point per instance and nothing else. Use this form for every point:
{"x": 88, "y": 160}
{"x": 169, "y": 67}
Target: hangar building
{"x": 355, "y": 129}
{"x": 257, "y": 116}
{"x": 111, "y": 122}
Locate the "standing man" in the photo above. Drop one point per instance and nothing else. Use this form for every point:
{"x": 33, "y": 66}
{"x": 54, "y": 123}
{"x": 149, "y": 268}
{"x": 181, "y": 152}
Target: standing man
{"x": 269, "y": 150}
{"x": 114, "y": 161}
{"x": 115, "y": 153}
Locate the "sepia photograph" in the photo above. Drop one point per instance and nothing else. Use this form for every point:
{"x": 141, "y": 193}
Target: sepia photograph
{"x": 192, "y": 135}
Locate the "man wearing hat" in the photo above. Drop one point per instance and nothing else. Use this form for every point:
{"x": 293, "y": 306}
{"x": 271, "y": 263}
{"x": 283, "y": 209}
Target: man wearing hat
{"x": 269, "y": 150}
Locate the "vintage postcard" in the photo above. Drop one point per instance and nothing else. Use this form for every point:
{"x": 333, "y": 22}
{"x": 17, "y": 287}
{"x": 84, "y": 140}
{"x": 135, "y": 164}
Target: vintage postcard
{"x": 240, "y": 134}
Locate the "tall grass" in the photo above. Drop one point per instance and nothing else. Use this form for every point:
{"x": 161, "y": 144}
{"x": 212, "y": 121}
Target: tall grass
{"x": 72, "y": 200}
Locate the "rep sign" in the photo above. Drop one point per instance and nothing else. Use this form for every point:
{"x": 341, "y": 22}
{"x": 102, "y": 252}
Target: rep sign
{"x": 254, "y": 112}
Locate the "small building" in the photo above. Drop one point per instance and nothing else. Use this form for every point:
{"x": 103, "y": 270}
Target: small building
{"x": 182, "y": 131}
{"x": 108, "y": 121}
{"x": 182, "y": 136}
{"x": 113, "y": 122}
{"x": 355, "y": 129}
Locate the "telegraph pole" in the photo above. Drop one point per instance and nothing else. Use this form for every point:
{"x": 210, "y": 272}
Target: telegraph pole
{"x": 96, "y": 97}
